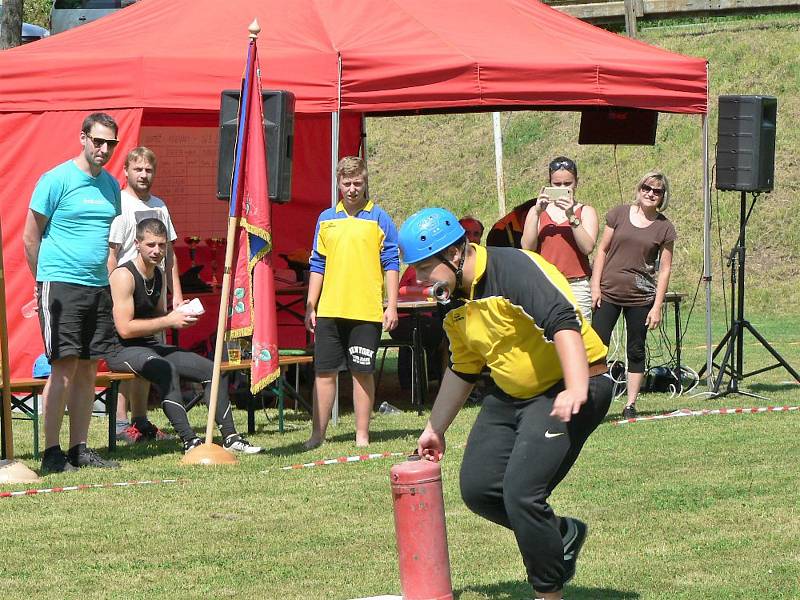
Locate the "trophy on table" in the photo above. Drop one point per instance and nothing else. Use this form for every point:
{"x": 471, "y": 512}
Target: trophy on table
{"x": 192, "y": 241}
{"x": 190, "y": 279}
{"x": 214, "y": 243}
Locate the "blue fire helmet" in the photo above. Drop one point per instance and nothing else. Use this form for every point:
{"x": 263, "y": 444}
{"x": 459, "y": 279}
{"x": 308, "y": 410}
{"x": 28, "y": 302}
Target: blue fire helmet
{"x": 427, "y": 233}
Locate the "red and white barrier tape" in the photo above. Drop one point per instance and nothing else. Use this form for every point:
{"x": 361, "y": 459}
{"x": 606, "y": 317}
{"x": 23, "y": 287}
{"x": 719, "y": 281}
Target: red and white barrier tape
{"x": 685, "y": 412}
{"x": 86, "y": 486}
{"x": 343, "y": 459}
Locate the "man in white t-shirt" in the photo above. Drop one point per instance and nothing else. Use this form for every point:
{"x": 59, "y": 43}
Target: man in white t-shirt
{"x": 139, "y": 204}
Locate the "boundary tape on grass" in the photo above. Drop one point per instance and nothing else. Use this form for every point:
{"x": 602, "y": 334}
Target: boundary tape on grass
{"x": 86, "y": 486}
{"x": 342, "y": 460}
{"x": 685, "y": 412}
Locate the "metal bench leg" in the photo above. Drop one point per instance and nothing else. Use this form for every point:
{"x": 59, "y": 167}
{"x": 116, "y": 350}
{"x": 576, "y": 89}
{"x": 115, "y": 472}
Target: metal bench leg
{"x": 111, "y": 412}
{"x": 380, "y": 370}
{"x": 251, "y": 412}
{"x": 35, "y": 418}
{"x": 279, "y": 389}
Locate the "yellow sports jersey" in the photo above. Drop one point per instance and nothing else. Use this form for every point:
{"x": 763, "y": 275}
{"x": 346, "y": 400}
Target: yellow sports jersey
{"x": 517, "y": 303}
{"x": 352, "y": 254}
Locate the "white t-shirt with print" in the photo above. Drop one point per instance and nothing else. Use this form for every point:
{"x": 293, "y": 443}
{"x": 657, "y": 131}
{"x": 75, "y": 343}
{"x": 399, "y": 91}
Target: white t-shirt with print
{"x": 123, "y": 229}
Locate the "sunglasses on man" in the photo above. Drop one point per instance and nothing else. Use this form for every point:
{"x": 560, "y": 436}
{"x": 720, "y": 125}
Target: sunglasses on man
{"x": 99, "y": 142}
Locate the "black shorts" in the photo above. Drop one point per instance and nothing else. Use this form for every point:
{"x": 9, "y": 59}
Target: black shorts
{"x": 344, "y": 343}
{"x": 76, "y": 320}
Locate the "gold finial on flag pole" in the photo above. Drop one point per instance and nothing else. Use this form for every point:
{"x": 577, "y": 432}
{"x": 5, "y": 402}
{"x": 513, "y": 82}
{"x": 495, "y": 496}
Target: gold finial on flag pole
{"x": 254, "y": 29}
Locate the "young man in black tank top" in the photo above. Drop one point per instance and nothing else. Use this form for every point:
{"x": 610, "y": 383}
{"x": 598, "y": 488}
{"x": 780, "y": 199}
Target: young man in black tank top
{"x": 136, "y": 288}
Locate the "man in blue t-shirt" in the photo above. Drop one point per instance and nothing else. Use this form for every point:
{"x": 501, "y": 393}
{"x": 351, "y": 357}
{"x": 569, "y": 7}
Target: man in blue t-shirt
{"x": 66, "y": 244}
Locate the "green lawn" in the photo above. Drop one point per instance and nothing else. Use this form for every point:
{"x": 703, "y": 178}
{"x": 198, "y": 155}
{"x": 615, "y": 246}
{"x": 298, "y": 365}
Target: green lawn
{"x": 686, "y": 508}
{"x": 695, "y": 507}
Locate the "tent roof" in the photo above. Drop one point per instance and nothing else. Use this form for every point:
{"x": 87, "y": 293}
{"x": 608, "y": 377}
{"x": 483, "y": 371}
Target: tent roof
{"x": 396, "y": 55}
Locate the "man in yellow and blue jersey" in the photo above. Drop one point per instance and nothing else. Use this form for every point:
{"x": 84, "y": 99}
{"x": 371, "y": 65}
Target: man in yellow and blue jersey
{"x": 355, "y": 243}
{"x": 550, "y": 386}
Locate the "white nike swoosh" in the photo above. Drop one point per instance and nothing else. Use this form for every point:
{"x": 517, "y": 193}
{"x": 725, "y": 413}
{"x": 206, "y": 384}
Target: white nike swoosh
{"x": 547, "y": 434}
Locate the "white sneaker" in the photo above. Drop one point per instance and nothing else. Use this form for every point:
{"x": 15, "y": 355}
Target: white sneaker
{"x": 236, "y": 443}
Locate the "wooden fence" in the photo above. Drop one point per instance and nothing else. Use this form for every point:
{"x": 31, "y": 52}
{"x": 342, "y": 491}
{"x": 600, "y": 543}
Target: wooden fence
{"x": 610, "y": 11}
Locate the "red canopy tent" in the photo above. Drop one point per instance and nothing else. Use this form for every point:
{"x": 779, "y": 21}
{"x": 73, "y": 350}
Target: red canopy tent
{"x": 158, "y": 67}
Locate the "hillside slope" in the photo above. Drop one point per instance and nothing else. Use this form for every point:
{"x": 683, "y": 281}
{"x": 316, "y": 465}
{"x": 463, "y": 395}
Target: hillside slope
{"x": 449, "y": 160}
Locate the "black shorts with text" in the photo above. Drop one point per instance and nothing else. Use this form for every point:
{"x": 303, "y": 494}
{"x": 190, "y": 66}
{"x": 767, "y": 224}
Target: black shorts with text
{"x": 345, "y": 343}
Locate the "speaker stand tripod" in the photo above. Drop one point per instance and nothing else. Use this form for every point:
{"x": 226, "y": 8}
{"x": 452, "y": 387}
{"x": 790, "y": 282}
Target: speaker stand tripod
{"x": 733, "y": 362}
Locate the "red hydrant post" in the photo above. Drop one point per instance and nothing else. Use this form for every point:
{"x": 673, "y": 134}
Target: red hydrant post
{"x": 420, "y": 530}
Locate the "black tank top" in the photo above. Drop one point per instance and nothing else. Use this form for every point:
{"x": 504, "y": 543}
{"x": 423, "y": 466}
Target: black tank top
{"x": 146, "y": 301}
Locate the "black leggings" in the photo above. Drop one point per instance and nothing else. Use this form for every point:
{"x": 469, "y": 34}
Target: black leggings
{"x": 605, "y": 317}
{"x": 164, "y": 366}
{"x": 516, "y": 455}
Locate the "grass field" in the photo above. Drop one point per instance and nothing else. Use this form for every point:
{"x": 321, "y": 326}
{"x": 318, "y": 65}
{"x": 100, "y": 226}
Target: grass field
{"x": 686, "y": 508}
{"x": 693, "y": 507}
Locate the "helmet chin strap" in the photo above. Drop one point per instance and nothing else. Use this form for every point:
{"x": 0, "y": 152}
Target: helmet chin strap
{"x": 459, "y": 270}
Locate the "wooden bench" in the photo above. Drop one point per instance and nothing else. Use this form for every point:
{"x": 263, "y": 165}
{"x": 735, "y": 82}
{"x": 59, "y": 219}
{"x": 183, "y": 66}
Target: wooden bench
{"x": 33, "y": 388}
{"x": 109, "y": 382}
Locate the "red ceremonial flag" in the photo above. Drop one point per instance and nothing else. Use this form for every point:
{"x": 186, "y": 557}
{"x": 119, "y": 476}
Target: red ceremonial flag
{"x": 252, "y": 301}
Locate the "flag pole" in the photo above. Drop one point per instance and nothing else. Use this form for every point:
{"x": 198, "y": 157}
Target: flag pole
{"x": 11, "y": 471}
{"x": 209, "y": 453}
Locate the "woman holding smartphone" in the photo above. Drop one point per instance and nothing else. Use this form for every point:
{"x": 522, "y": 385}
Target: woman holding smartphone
{"x": 631, "y": 273}
{"x": 564, "y": 231}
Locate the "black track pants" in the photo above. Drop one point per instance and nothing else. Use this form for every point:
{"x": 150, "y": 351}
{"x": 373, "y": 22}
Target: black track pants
{"x": 516, "y": 455}
{"x": 164, "y": 366}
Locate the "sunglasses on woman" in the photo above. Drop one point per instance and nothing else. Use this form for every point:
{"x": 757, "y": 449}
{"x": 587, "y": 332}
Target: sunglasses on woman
{"x": 563, "y": 163}
{"x": 656, "y": 191}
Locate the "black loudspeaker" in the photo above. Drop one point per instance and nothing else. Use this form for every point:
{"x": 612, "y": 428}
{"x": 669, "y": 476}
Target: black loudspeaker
{"x": 279, "y": 136}
{"x": 746, "y": 143}
{"x": 609, "y": 125}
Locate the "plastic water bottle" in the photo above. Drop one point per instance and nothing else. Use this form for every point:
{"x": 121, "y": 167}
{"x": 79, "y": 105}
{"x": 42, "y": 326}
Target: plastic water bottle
{"x": 29, "y": 309}
{"x": 387, "y": 409}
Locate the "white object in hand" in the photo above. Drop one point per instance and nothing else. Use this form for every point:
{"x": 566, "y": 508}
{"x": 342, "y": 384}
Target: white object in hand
{"x": 193, "y": 307}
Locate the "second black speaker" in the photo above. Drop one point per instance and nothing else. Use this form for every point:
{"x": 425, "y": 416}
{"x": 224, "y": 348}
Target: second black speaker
{"x": 746, "y": 143}
{"x": 278, "y": 133}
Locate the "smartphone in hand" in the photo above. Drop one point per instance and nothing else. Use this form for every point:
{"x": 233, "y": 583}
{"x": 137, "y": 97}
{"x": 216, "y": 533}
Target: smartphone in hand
{"x": 555, "y": 193}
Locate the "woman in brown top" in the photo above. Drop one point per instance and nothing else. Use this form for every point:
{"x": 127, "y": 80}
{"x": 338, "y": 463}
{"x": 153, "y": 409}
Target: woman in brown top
{"x": 629, "y": 276}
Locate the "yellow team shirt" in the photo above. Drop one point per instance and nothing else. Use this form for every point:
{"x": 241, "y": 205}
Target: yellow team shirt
{"x": 518, "y": 301}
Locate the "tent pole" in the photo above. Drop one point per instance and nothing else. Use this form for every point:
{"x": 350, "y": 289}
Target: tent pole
{"x": 334, "y": 198}
{"x": 335, "y": 123}
{"x": 498, "y": 164}
{"x": 707, "y": 251}
{"x": 11, "y": 471}
{"x": 364, "y": 137}
{"x": 7, "y": 436}
{"x": 334, "y": 156}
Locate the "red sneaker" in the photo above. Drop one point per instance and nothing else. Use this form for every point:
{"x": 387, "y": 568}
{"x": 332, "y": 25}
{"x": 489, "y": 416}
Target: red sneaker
{"x": 152, "y": 433}
{"x": 130, "y": 434}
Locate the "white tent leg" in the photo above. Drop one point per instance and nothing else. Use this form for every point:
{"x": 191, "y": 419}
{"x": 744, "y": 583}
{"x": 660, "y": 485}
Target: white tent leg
{"x": 498, "y": 164}
{"x": 707, "y": 250}
{"x": 334, "y": 198}
{"x": 364, "y": 138}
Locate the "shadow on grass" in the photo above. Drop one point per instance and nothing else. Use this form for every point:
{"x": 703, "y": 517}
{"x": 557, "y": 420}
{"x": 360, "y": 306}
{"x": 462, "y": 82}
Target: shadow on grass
{"x": 763, "y": 388}
{"x": 516, "y": 590}
{"x": 377, "y": 438}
